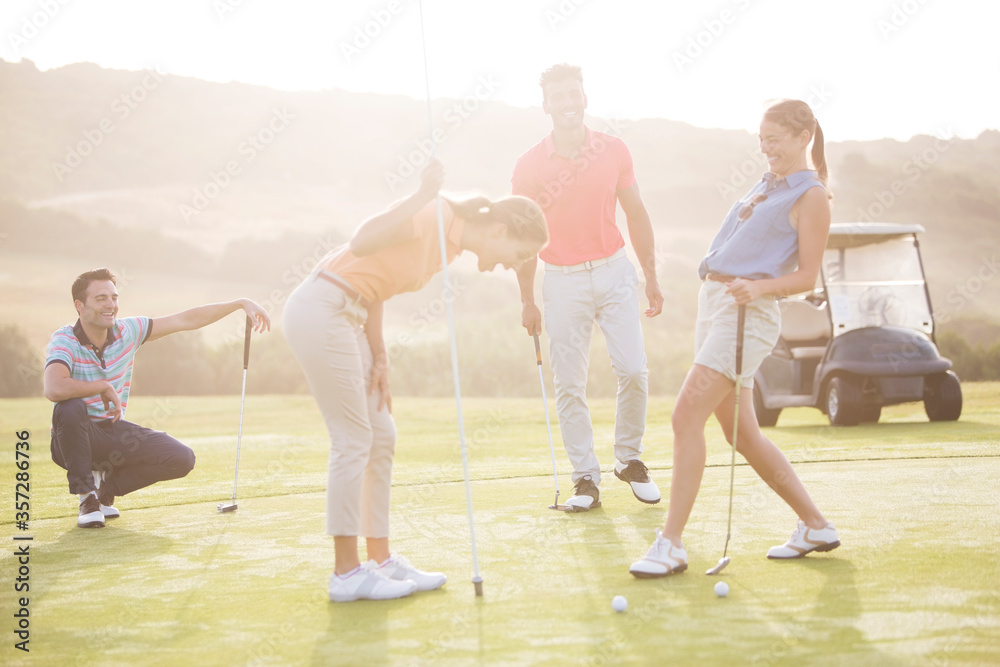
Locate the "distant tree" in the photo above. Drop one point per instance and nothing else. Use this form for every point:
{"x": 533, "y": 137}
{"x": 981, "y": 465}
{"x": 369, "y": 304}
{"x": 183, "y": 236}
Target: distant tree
{"x": 979, "y": 362}
{"x": 183, "y": 364}
{"x": 20, "y": 364}
{"x": 273, "y": 368}
{"x": 174, "y": 365}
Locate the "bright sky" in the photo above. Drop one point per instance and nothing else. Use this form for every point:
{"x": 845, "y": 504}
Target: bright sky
{"x": 870, "y": 68}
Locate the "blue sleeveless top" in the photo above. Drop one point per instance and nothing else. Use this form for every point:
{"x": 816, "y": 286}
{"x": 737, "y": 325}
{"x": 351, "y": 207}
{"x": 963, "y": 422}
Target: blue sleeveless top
{"x": 765, "y": 245}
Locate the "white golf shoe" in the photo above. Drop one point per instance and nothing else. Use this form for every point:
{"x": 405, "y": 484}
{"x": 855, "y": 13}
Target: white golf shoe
{"x": 399, "y": 568}
{"x": 90, "y": 512}
{"x": 806, "y": 540}
{"x": 106, "y": 500}
{"x": 663, "y": 558}
{"x": 586, "y": 496}
{"x": 636, "y": 474}
{"x": 364, "y": 584}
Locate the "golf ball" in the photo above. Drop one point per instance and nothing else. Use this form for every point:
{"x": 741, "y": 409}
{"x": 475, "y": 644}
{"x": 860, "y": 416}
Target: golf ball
{"x": 619, "y": 603}
{"x": 722, "y": 589}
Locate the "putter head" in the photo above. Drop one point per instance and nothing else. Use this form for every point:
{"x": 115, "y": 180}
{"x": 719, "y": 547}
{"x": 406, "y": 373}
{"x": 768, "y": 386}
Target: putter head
{"x": 478, "y": 583}
{"x": 720, "y": 566}
{"x": 227, "y": 507}
{"x": 556, "y": 506}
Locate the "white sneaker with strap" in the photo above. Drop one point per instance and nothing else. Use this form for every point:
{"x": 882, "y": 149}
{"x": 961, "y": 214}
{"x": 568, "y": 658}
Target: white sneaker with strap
{"x": 363, "y": 584}
{"x": 806, "y": 540}
{"x": 663, "y": 558}
{"x": 399, "y": 568}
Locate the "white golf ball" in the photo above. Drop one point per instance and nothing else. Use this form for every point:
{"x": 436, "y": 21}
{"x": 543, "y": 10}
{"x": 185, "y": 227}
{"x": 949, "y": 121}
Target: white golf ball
{"x": 722, "y": 589}
{"x": 619, "y": 603}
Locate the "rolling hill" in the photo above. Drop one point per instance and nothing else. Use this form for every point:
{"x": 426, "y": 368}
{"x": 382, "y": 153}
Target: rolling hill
{"x": 197, "y": 188}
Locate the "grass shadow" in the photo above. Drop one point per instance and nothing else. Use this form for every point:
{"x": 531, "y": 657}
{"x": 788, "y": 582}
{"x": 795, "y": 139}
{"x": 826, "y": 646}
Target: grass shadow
{"x": 835, "y": 617}
{"x": 75, "y": 548}
{"x": 955, "y": 429}
{"x": 357, "y": 633}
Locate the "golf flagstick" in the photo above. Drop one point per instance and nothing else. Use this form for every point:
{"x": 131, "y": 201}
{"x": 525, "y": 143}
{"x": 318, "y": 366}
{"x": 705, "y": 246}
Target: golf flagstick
{"x": 740, "y": 322}
{"x": 477, "y": 581}
{"x": 548, "y": 425}
{"x": 231, "y": 506}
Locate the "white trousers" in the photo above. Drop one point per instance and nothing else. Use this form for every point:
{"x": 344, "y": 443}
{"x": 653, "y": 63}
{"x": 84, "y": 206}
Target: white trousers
{"x": 573, "y": 301}
{"x": 324, "y": 329}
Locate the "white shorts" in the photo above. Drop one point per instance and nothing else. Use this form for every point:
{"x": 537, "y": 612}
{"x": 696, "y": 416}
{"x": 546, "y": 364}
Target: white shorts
{"x": 715, "y": 331}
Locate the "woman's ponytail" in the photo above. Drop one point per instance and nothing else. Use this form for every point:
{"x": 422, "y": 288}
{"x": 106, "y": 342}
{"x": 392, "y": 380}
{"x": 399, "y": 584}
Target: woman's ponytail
{"x": 819, "y": 155}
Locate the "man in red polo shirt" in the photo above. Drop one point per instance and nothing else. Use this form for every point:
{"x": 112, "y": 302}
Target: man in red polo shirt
{"x": 578, "y": 176}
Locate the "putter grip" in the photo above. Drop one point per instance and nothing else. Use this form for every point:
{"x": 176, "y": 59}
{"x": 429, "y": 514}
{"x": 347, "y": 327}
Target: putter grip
{"x": 538, "y": 350}
{"x": 740, "y": 322}
{"x": 246, "y": 344}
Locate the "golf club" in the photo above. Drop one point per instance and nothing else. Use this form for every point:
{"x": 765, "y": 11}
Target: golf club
{"x": 231, "y": 506}
{"x": 740, "y": 320}
{"x": 449, "y": 288}
{"x": 548, "y": 425}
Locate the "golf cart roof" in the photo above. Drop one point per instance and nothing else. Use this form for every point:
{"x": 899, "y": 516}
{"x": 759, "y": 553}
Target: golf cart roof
{"x": 854, "y": 234}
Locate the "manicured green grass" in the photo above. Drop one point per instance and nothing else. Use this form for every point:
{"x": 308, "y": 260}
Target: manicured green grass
{"x": 173, "y": 582}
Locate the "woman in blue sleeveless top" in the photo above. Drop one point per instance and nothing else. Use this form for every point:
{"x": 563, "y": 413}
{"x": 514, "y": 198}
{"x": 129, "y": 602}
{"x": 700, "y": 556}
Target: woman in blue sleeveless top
{"x": 770, "y": 245}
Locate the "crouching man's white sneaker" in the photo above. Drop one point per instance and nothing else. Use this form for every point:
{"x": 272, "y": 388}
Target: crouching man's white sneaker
{"x": 399, "y": 568}
{"x": 107, "y": 500}
{"x": 363, "y": 584}
{"x": 663, "y": 558}
{"x": 90, "y": 512}
{"x": 806, "y": 540}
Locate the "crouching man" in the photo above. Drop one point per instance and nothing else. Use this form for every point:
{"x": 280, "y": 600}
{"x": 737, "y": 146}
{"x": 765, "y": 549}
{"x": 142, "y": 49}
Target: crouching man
{"x": 88, "y": 373}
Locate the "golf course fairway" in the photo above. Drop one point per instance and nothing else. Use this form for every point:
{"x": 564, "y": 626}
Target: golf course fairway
{"x": 174, "y": 582}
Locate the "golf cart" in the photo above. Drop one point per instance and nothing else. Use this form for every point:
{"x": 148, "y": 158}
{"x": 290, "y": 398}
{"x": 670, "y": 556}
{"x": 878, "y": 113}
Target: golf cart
{"x": 864, "y": 338}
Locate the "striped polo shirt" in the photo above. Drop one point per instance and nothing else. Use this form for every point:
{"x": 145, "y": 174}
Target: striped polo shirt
{"x": 71, "y": 347}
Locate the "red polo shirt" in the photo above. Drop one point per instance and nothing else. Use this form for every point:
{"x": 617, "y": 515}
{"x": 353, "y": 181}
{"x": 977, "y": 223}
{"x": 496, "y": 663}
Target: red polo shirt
{"x": 578, "y": 196}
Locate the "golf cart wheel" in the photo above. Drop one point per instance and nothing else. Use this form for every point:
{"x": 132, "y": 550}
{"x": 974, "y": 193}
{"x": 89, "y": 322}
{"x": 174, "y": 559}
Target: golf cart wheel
{"x": 765, "y": 416}
{"x": 843, "y": 402}
{"x": 943, "y": 397}
{"x": 870, "y": 414}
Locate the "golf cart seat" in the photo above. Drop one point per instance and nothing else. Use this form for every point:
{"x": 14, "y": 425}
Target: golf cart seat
{"x": 805, "y": 328}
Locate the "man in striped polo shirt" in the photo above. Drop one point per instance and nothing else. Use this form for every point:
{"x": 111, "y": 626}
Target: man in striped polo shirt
{"x": 88, "y": 374}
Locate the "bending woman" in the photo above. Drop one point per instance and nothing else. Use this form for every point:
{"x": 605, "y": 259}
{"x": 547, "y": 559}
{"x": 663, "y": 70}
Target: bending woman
{"x": 333, "y": 323}
{"x": 771, "y": 244}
